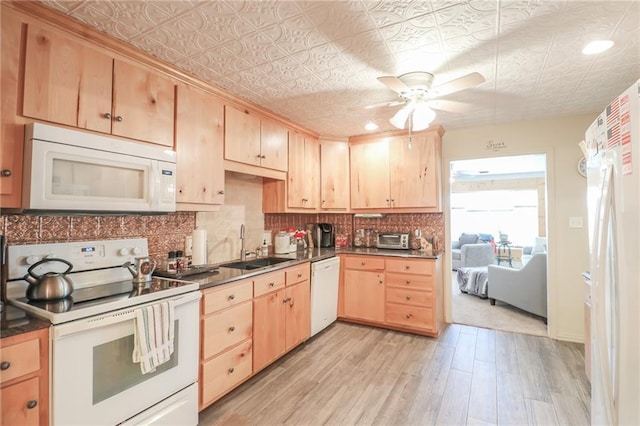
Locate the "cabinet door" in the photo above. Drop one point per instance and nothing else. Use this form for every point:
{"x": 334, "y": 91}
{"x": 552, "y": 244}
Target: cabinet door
{"x": 274, "y": 142}
{"x": 334, "y": 175}
{"x": 199, "y": 146}
{"x": 21, "y": 403}
{"x": 413, "y": 172}
{"x": 364, "y": 295}
{"x": 143, "y": 104}
{"x": 369, "y": 166}
{"x": 296, "y": 187}
{"x": 12, "y": 125}
{"x": 268, "y": 329}
{"x": 66, "y": 82}
{"x": 298, "y": 305}
{"x": 241, "y": 136}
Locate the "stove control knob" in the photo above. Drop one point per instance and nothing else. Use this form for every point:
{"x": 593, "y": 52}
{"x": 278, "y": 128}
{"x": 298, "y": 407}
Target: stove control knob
{"x": 30, "y": 260}
{"x": 136, "y": 250}
{"x": 123, "y": 251}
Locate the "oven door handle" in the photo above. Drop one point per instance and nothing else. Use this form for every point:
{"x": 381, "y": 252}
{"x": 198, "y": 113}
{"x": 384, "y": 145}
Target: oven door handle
{"x": 116, "y": 317}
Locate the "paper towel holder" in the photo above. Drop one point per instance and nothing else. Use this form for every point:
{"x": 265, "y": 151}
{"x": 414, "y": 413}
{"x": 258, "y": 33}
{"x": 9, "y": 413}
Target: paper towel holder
{"x": 199, "y": 247}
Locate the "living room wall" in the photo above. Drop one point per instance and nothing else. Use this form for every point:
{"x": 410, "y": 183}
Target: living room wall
{"x": 566, "y": 197}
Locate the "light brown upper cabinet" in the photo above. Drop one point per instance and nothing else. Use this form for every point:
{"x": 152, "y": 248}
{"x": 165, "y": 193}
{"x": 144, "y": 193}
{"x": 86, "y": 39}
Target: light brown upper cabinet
{"x": 334, "y": 175}
{"x": 369, "y": 165}
{"x": 70, "y": 83}
{"x": 393, "y": 174}
{"x": 304, "y": 172}
{"x": 199, "y": 146}
{"x": 255, "y": 141}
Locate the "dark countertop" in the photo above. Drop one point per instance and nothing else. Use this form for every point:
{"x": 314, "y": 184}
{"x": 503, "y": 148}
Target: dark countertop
{"x": 228, "y": 275}
{"x": 15, "y": 321}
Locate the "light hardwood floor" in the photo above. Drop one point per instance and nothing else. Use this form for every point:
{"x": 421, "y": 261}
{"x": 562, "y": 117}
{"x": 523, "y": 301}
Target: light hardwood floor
{"x": 352, "y": 374}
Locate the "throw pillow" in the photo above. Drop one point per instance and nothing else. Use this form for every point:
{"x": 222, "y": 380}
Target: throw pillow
{"x": 468, "y": 239}
{"x": 540, "y": 245}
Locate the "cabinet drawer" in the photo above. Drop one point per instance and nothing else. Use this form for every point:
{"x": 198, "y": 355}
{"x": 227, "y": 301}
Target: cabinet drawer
{"x": 19, "y": 359}
{"x": 367, "y": 263}
{"x": 410, "y": 316}
{"x": 225, "y": 329}
{"x": 409, "y": 297}
{"x": 224, "y": 372}
{"x": 16, "y": 400}
{"x": 297, "y": 274}
{"x": 409, "y": 281}
{"x": 410, "y": 266}
{"x": 265, "y": 283}
{"x": 226, "y": 296}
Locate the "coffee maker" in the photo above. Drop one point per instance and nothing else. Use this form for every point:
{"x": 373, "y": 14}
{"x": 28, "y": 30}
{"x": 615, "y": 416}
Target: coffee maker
{"x": 325, "y": 235}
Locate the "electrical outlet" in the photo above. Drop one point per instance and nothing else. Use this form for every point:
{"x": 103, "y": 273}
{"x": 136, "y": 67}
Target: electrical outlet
{"x": 188, "y": 245}
{"x": 575, "y": 222}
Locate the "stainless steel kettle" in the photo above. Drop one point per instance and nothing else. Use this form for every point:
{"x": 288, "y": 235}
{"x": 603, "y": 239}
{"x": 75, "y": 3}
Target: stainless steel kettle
{"x": 51, "y": 285}
{"x": 143, "y": 270}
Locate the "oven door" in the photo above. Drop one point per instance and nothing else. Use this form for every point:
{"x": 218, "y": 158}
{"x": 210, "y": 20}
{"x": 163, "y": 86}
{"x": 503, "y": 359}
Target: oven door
{"x": 95, "y": 381}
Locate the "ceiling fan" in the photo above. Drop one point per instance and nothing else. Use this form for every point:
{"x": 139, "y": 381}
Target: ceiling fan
{"x": 420, "y": 99}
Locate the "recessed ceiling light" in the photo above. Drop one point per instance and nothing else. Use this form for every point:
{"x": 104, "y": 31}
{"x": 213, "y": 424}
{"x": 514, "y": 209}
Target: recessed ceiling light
{"x": 371, "y": 126}
{"x": 597, "y": 46}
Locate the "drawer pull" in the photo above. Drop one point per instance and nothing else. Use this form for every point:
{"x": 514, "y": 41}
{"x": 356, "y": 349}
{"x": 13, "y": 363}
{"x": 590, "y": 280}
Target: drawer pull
{"x": 32, "y": 404}
{"x": 407, "y": 267}
{"x": 6, "y": 172}
{"x": 408, "y": 297}
{"x": 5, "y": 365}
{"x": 272, "y": 284}
{"x": 299, "y": 275}
{"x": 362, "y": 263}
{"x": 380, "y": 282}
{"x": 408, "y": 282}
{"x": 286, "y": 300}
{"x": 231, "y": 297}
{"x": 231, "y": 370}
{"x": 409, "y": 316}
{"x": 232, "y": 329}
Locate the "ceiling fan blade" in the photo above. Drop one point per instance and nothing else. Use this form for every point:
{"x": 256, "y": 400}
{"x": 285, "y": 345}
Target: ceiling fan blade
{"x": 376, "y": 106}
{"x": 458, "y": 84}
{"x": 450, "y": 106}
{"x": 393, "y": 83}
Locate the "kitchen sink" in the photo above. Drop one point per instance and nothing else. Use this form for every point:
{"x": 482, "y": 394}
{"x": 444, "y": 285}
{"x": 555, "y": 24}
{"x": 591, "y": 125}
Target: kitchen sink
{"x": 255, "y": 263}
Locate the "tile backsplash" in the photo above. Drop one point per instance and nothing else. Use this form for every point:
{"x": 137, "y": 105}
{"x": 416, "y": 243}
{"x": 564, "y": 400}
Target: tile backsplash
{"x": 431, "y": 224}
{"x": 164, "y": 232}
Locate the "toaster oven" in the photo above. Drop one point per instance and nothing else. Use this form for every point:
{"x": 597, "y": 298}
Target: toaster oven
{"x": 392, "y": 240}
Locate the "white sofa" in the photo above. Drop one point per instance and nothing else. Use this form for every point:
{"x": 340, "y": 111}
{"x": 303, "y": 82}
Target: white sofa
{"x": 539, "y": 246}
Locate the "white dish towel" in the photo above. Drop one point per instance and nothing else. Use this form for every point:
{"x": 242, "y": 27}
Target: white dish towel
{"x": 153, "y": 335}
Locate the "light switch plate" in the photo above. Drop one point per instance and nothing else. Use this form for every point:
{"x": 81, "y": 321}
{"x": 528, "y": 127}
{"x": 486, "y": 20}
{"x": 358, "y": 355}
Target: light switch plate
{"x": 575, "y": 222}
{"x": 266, "y": 235}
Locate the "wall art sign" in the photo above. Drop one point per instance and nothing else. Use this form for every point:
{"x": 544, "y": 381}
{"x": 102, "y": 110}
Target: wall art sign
{"x": 495, "y": 146}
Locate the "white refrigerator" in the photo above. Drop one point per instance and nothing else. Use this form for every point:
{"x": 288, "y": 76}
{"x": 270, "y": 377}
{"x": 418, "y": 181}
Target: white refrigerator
{"x": 613, "y": 171}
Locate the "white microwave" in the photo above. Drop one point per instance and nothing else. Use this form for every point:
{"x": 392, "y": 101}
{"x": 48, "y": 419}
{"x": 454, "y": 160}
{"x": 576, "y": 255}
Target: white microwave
{"x": 68, "y": 170}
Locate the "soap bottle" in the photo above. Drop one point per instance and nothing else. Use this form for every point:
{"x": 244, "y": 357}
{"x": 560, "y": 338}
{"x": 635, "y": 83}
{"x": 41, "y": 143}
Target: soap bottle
{"x": 265, "y": 248}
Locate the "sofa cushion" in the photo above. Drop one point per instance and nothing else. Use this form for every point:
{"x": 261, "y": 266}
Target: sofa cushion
{"x": 540, "y": 246}
{"x": 468, "y": 239}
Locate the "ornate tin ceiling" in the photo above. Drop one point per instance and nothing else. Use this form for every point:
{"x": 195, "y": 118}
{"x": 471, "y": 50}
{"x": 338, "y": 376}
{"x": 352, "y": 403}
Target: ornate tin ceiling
{"x": 316, "y": 62}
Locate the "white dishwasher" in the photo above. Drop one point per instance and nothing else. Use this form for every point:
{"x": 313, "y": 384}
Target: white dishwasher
{"x": 324, "y": 293}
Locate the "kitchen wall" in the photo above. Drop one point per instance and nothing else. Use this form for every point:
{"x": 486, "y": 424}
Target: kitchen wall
{"x": 164, "y": 232}
{"x": 431, "y": 224}
{"x": 566, "y": 197}
{"x": 242, "y": 205}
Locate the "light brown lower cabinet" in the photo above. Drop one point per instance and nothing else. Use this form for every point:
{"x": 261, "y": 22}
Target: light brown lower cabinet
{"x": 24, "y": 379}
{"x": 247, "y": 325}
{"x": 392, "y": 292}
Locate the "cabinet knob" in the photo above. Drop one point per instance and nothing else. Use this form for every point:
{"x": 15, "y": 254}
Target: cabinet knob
{"x": 409, "y": 316}
{"x": 119, "y": 118}
{"x": 408, "y": 282}
{"x": 380, "y": 282}
{"x": 407, "y": 267}
{"x": 232, "y": 329}
{"x": 263, "y": 156}
{"x": 272, "y": 284}
{"x": 231, "y": 370}
{"x": 6, "y": 173}
{"x": 5, "y": 365}
{"x": 362, "y": 263}
{"x": 32, "y": 404}
{"x": 408, "y": 297}
{"x": 107, "y": 115}
{"x": 221, "y": 192}
{"x": 258, "y": 156}
{"x": 299, "y": 275}
{"x": 231, "y": 297}
{"x": 304, "y": 200}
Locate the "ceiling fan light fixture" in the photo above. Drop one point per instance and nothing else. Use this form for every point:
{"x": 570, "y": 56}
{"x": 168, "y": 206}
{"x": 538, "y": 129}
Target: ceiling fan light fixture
{"x": 371, "y": 126}
{"x": 597, "y": 46}
{"x": 400, "y": 118}
{"x": 422, "y": 117}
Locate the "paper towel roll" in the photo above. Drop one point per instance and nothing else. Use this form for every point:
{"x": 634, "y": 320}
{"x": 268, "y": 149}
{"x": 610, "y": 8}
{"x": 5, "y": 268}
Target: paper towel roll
{"x": 199, "y": 247}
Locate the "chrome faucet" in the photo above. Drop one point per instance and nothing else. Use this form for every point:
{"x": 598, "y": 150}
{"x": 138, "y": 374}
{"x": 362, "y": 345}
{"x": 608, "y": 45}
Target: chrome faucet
{"x": 243, "y": 253}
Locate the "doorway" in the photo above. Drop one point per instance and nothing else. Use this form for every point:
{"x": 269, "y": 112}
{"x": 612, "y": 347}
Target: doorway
{"x": 499, "y": 199}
